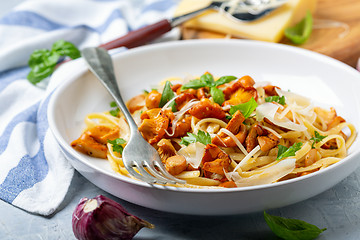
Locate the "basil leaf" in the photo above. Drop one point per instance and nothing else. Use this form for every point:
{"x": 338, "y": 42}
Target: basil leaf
{"x": 292, "y": 229}
{"x": 284, "y": 152}
{"x": 117, "y": 144}
{"x": 40, "y": 72}
{"x": 224, "y": 79}
{"x": 42, "y": 57}
{"x": 245, "y": 108}
{"x": 301, "y": 31}
{"x": 43, "y": 61}
{"x": 217, "y": 95}
{"x": 167, "y": 95}
{"x": 277, "y": 99}
{"x": 202, "y": 137}
{"x": 194, "y": 84}
{"x": 317, "y": 138}
{"x": 64, "y": 48}
{"x": 208, "y": 79}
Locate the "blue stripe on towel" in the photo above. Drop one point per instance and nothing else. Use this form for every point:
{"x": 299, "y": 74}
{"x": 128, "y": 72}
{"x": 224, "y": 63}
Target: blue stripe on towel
{"x": 12, "y": 75}
{"x": 163, "y": 5}
{"x": 36, "y": 21}
{"x": 29, "y": 19}
{"x": 30, "y": 170}
{"x": 28, "y": 115}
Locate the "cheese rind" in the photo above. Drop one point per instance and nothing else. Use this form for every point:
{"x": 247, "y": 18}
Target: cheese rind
{"x": 269, "y": 28}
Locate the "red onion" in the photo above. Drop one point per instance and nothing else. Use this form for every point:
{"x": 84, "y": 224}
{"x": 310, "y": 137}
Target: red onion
{"x": 103, "y": 218}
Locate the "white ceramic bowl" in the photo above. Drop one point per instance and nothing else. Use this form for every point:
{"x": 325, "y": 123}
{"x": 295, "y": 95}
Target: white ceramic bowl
{"x": 327, "y": 81}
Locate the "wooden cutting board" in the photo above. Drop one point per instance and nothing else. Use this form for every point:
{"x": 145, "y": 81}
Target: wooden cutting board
{"x": 340, "y": 42}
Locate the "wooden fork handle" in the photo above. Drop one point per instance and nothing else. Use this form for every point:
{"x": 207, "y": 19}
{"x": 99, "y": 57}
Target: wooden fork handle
{"x": 141, "y": 36}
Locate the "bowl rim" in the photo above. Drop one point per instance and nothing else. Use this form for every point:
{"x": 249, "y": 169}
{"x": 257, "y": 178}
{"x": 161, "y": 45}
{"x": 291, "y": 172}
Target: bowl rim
{"x": 178, "y": 44}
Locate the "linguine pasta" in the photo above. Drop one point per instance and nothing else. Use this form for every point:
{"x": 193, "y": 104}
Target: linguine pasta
{"x": 227, "y": 132}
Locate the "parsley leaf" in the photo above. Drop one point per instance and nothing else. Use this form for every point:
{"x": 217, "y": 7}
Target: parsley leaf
{"x": 285, "y": 152}
{"x": 317, "y": 138}
{"x": 292, "y": 229}
{"x": 277, "y": 99}
{"x": 167, "y": 95}
{"x": 115, "y": 111}
{"x": 202, "y": 137}
{"x": 117, "y": 144}
{"x": 43, "y": 61}
{"x": 299, "y": 33}
{"x": 245, "y": 108}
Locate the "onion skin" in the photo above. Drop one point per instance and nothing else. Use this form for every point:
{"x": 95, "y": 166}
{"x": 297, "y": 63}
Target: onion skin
{"x": 105, "y": 220}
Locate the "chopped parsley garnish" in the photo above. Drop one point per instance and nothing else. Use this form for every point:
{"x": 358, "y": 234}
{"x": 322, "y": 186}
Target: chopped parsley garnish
{"x": 292, "y": 229}
{"x": 317, "y": 138}
{"x": 245, "y": 108}
{"x": 43, "y": 61}
{"x": 277, "y": 99}
{"x": 207, "y": 80}
{"x": 285, "y": 152}
{"x": 117, "y": 144}
{"x": 201, "y": 137}
{"x": 167, "y": 95}
{"x": 115, "y": 111}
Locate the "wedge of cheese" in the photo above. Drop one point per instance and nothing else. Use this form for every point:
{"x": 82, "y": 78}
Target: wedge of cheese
{"x": 269, "y": 28}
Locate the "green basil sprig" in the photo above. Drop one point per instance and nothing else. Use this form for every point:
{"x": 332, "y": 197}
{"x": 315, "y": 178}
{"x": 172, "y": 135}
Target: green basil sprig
{"x": 292, "y": 229}
{"x": 43, "y": 61}
{"x": 207, "y": 80}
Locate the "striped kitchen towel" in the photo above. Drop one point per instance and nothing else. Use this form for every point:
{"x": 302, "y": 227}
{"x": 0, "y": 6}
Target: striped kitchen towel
{"x": 34, "y": 175}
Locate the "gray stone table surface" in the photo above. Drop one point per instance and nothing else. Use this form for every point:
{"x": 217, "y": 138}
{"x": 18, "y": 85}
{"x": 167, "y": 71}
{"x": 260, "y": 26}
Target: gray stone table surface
{"x": 337, "y": 209}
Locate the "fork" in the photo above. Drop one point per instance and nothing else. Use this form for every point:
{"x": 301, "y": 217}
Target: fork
{"x": 237, "y": 10}
{"x": 138, "y": 153}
